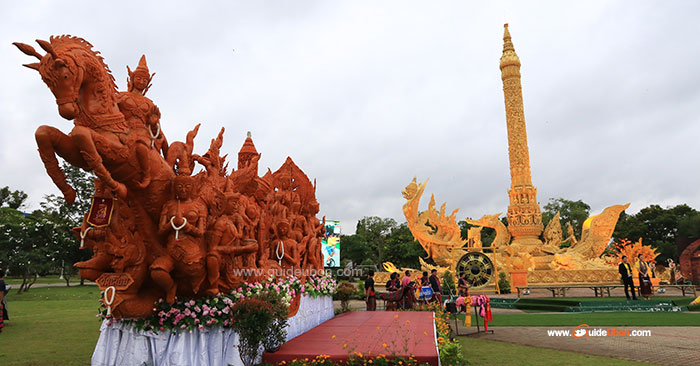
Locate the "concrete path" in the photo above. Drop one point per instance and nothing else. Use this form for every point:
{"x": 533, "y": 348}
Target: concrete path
{"x": 666, "y": 345}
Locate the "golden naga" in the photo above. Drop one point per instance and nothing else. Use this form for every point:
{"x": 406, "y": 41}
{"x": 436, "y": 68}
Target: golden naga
{"x": 595, "y": 236}
{"x": 437, "y": 233}
{"x": 502, "y": 239}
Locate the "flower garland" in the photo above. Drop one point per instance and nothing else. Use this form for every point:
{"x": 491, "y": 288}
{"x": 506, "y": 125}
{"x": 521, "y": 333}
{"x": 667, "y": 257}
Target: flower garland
{"x": 320, "y": 285}
{"x": 207, "y": 312}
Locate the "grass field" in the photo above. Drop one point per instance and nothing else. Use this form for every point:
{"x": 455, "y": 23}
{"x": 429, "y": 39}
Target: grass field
{"x": 540, "y": 319}
{"x": 492, "y": 353}
{"x": 57, "y": 326}
{"x": 15, "y": 282}
{"x": 50, "y": 326}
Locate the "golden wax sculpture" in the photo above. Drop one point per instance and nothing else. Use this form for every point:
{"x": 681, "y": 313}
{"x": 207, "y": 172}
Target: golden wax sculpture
{"x": 439, "y": 234}
{"x": 524, "y": 215}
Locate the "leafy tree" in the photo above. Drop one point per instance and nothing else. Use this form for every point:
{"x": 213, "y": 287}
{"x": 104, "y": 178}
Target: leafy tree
{"x": 12, "y": 199}
{"x": 66, "y": 251}
{"x": 689, "y": 226}
{"x": 26, "y": 243}
{"x": 659, "y": 227}
{"x": 402, "y": 249}
{"x": 354, "y": 247}
{"x": 375, "y": 230}
{"x": 575, "y": 212}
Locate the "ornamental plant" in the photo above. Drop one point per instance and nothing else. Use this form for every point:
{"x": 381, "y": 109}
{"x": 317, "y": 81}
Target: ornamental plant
{"x": 276, "y": 334}
{"x": 345, "y": 292}
{"x": 251, "y": 318}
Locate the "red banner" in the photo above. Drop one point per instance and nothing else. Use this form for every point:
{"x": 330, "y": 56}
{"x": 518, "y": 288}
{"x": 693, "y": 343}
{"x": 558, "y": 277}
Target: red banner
{"x": 100, "y": 211}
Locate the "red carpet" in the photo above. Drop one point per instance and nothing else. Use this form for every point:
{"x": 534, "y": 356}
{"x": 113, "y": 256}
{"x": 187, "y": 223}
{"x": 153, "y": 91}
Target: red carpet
{"x": 367, "y": 332}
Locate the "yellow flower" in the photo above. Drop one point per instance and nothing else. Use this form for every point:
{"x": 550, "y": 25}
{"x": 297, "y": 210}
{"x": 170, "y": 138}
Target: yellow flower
{"x": 345, "y": 345}
{"x": 426, "y": 333}
{"x": 377, "y": 328}
{"x": 396, "y": 316}
{"x": 333, "y": 337}
{"x": 384, "y": 345}
{"x": 408, "y": 322}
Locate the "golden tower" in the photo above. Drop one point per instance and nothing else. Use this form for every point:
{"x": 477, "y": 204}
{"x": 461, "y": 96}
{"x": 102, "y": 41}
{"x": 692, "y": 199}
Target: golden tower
{"x": 524, "y": 215}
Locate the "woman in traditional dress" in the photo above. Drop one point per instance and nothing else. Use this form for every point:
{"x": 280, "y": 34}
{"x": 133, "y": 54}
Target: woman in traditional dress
{"x": 644, "y": 279}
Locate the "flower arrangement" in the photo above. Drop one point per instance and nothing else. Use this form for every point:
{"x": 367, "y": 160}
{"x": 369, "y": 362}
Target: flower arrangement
{"x": 450, "y": 350}
{"x": 320, "y": 285}
{"x": 207, "y": 312}
{"x": 356, "y": 359}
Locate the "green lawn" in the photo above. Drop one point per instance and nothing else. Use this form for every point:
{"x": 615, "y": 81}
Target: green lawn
{"x": 51, "y": 326}
{"x": 598, "y": 319}
{"x": 16, "y": 282}
{"x": 493, "y": 353}
{"x": 57, "y": 326}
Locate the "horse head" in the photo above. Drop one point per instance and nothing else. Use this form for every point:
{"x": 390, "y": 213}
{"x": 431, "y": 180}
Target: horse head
{"x": 69, "y": 63}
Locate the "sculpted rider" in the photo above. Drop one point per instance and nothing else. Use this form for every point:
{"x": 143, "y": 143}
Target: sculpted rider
{"x": 143, "y": 117}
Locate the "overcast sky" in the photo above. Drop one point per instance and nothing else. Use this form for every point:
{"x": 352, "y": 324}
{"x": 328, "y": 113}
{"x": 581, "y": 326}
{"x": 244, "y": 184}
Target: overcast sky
{"x": 365, "y": 95}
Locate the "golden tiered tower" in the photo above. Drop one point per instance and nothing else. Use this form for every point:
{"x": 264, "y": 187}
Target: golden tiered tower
{"x": 524, "y": 215}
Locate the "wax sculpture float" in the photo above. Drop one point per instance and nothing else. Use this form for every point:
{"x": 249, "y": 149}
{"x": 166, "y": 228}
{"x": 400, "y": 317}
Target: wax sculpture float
{"x": 517, "y": 248}
{"x": 156, "y": 229}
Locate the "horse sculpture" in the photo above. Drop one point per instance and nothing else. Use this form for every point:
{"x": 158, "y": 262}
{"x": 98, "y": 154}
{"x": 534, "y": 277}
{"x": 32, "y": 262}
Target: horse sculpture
{"x": 102, "y": 140}
{"x": 172, "y": 233}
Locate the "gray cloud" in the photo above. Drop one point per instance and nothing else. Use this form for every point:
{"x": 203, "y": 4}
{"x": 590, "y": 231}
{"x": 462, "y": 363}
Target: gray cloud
{"x": 366, "y": 95}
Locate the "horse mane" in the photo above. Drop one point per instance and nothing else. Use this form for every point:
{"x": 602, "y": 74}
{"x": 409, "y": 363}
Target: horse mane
{"x": 69, "y": 42}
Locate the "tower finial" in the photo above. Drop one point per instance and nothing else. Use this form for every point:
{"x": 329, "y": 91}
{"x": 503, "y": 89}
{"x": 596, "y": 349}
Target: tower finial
{"x": 509, "y": 56}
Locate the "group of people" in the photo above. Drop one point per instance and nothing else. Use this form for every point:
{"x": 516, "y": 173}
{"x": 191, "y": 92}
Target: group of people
{"x": 405, "y": 287}
{"x": 645, "y": 270}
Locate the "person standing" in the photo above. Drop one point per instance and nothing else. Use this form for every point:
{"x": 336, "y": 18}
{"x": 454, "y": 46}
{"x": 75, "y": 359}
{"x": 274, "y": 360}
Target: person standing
{"x": 672, "y": 270}
{"x": 463, "y": 286}
{"x": 3, "y": 304}
{"x": 370, "y": 294}
{"x": 425, "y": 281}
{"x": 406, "y": 280}
{"x": 644, "y": 280}
{"x": 626, "y": 273}
{"x": 436, "y": 286}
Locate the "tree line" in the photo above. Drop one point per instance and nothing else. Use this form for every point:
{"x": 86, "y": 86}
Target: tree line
{"x": 41, "y": 242}
{"x": 378, "y": 240}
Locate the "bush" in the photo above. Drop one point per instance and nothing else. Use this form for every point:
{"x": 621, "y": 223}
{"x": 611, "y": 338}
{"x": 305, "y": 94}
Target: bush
{"x": 361, "y": 289}
{"x": 251, "y": 320}
{"x": 345, "y": 292}
{"x": 451, "y": 354}
{"x": 276, "y": 334}
{"x": 503, "y": 283}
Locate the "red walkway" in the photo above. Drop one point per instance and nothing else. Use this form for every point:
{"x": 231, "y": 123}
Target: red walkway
{"x": 367, "y": 332}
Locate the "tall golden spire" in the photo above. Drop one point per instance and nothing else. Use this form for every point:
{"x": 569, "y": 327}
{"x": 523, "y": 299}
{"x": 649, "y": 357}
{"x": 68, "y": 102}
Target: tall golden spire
{"x": 524, "y": 215}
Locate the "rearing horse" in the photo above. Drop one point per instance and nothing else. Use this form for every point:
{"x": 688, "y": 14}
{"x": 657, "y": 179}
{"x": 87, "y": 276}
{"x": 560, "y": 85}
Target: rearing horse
{"x": 100, "y": 140}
